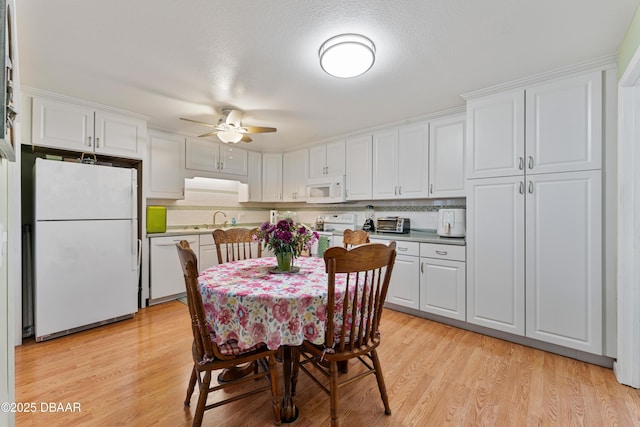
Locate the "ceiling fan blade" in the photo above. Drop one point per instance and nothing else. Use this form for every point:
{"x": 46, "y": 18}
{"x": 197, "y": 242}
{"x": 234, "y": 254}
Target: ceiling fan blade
{"x": 198, "y": 122}
{"x": 258, "y": 129}
{"x": 245, "y": 138}
{"x": 234, "y": 117}
{"x": 208, "y": 134}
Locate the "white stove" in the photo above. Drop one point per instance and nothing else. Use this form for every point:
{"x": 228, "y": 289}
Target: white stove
{"x": 339, "y": 222}
{"x": 332, "y": 224}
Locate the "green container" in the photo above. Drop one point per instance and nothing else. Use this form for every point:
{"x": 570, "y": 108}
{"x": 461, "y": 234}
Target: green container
{"x": 156, "y": 219}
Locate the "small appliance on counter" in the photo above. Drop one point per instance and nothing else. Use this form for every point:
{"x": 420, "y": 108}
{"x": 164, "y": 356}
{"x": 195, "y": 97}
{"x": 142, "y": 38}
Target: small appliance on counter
{"x": 451, "y": 222}
{"x": 369, "y": 221}
{"x": 273, "y": 216}
{"x": 394, "y": 224}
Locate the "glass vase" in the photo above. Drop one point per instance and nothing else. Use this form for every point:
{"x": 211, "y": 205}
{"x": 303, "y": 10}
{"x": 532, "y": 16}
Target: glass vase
{"x": 284, "y": 261}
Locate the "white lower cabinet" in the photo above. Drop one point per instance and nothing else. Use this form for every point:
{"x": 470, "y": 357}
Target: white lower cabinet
{"x": 208, "y": 254}
{"x": 166, "y": 278}
{"x": 404, "y": 289}
{"x": 442, "y": 280}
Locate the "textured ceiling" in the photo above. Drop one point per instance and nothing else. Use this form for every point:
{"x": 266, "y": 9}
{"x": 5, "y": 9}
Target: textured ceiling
{"x": 188, "y": 58}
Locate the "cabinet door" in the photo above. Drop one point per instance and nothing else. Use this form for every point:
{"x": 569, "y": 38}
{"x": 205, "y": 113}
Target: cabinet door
{"x": 413, "y": 161}
{"x": 404, "y": 287}
{"x": 443, "y": 287}
{"x": 202, "y": 155}
{"x": 62, "y": 125}
{"x": 359, "y": 168}
{"x": 254, "y": 177}
{"x": 318, "y": 161}
{"x": 564, "y": 259}
{"x": 294, "y": 176}
{"x": 335, "y": 158}
{"x": 271, "y": 177}
{"x": 446, "y": 157}
{"x": 166, "y": 157}
{"x": 166, "y": 278}
{"x": 208, "y": 257}
{"x": 495, "y": 135}
{"x": 385, "y": 164}
{"x": 233, "y": 160}
{"x": 495, "y": 253}
{"x": 564, "y": 125}
{"x": 118, "y": 135}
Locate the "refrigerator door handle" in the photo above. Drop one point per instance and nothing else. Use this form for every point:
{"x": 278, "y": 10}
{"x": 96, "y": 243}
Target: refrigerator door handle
{"x": 139, "y": 255}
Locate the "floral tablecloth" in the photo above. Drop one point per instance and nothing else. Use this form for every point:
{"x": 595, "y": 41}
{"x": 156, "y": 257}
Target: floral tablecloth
{"x": 245, "y": 302}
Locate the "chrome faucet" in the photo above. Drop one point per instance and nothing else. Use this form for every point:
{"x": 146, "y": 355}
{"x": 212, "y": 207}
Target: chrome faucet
{"x": 214, "y": 217}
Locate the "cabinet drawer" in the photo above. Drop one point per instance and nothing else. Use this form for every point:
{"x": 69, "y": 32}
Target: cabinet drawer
{"x": 402, "y": 248}
{"x": 207, "y": 239}
{"x": 434, "y": 250}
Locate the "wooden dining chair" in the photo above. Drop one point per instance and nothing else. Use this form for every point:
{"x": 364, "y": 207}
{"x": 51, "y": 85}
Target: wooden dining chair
{"x": 354, "y": 238}
{"x": 209, "y": 357}
{"x": 236, "y": 244}
{"x": 366, "y": 271}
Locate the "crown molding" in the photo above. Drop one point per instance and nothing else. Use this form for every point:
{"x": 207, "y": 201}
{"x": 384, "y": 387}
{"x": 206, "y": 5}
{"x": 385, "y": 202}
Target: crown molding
{"x": 601, "y": 63}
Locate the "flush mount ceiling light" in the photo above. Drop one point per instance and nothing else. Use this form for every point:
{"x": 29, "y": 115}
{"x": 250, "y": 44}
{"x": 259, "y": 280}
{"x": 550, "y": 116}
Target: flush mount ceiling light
{"x": 347, "y": 55}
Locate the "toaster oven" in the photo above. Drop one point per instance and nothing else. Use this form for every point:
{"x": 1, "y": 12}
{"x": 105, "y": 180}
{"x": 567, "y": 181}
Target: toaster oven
{"x": 393, "y": 224}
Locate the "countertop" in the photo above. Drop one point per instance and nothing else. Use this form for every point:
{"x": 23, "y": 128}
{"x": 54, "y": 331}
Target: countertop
{"x": 424, "y": 236}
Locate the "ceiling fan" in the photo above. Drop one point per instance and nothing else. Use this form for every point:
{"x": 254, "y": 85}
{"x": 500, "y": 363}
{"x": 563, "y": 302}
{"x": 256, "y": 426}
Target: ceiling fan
{"x": 229, "y": 128}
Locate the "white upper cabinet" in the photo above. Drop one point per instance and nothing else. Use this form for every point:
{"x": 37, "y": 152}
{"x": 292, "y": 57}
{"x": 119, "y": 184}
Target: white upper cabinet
{"x": 327, "y": 159}
{"x": 271, "y": 177}
{"x": 214, "y": 159}
{"x": 385, "y": 164}
{"x": 446, "y": 157}
{"x": 71, "y": 126}
{"x": 165, "y": 171}
{"x": 495, "y": 135}
{"x": 359, "y": 167}
{"x": 564, "y": 124}
{"x": 254, "y": 177}
{"x": 294, "y": 175}
{"x": 400, "y": 162}
{"x": 413, "y": 163}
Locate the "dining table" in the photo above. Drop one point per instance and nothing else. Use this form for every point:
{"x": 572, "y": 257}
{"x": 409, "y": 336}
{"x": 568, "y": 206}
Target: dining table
{"x": 252, "y": 303}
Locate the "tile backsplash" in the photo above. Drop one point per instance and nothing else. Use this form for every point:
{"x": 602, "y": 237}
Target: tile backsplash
{"x": 204, "y": 197}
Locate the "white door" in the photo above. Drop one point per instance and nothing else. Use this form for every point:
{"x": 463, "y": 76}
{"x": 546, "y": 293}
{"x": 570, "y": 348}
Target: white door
{"x": 495, "y": 135}
{"x": 385, "y": 164}
{"x": 62, "y": 125}
{"x": 404, "y": 287}
{"x": 294, "y": 175}
{"x": 202, "y": 155}
{"x": 166, "y": 278}
{"x": 446, "y": 157}
{"x": 65, "y": 190}
{"x": 564, "y": 259}
{"x": 318, "y": 161}
{"x": 271, "y": 177}
{"x": 165, "y": 168}
{"x": 564, "y": 125}
{"x": 359, "y": 168}
{"x": 495, "y": 253}
{"x": 254, "y": 176}
{"x": 85, "y": 272}
{"x": 443, "y": 287}
{"x": 118, "y": 135}
{"x": 413, "y": 161}
{"x": 233, "y": 160}
{"x": 335, "y": 158}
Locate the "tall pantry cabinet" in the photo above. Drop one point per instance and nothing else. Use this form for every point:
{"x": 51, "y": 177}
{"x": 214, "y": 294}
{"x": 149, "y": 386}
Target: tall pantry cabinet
{"x": 534, "y": 211}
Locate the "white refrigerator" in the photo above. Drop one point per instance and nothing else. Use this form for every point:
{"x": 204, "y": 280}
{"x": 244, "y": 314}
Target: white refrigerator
{"x": 86, "y": 246}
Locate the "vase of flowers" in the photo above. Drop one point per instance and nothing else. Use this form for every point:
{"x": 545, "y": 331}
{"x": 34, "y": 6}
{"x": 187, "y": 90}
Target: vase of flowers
{"x": 286, "y": 240}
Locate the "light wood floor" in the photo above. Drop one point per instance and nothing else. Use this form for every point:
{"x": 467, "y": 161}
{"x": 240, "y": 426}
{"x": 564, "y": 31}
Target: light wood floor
{"x": 135, "y": 372}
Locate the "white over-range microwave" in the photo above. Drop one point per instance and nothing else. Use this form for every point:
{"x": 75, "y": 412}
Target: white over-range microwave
{"x": 330, "y": 189}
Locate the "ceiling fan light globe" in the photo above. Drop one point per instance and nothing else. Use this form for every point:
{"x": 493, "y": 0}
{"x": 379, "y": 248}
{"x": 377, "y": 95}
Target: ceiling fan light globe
{"x": 347, "y": 55}
{"x": 229, "y": 136}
